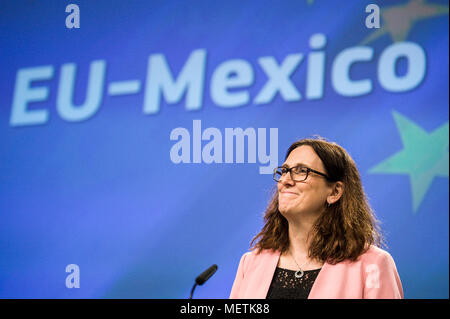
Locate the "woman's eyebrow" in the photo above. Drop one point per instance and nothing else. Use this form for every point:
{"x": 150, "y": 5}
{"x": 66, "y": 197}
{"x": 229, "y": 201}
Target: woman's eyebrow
{"x": 296, "y": 164}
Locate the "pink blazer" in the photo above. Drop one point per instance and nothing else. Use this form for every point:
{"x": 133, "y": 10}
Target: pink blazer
{"x": 373, "y": 275}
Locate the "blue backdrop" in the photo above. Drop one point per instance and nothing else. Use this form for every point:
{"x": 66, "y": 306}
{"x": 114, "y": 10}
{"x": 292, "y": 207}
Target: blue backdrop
{"x": 115, "y": 146}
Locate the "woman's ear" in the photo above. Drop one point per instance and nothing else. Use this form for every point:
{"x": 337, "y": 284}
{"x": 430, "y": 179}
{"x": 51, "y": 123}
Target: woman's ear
{"x": 337, "y": 191}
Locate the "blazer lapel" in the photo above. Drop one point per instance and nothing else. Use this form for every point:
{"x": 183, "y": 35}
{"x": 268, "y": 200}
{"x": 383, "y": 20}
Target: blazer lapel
{"x": 264, "y": 273}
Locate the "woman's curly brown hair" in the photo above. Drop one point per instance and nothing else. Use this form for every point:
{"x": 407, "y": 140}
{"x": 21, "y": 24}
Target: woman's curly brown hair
{"x": 345, "y": 230}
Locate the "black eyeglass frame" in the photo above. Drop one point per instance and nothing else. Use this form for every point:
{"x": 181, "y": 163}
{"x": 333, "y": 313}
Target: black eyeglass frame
{"x": 308, "y": 170}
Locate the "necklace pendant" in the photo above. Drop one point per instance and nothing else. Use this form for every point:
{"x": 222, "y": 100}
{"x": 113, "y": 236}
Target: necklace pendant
{"x": 299, "y": 274}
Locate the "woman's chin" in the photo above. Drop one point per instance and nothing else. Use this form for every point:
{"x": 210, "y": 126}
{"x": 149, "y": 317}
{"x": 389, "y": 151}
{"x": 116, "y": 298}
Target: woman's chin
{"x": 288, "y": 211}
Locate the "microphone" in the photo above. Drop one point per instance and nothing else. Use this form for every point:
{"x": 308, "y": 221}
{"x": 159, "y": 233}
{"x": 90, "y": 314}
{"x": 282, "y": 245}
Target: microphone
{"x": 203, "y": 277}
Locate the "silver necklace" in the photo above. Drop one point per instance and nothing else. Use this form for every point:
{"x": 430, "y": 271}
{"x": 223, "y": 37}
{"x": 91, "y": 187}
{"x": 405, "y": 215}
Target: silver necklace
{"x": 299, "y": 272}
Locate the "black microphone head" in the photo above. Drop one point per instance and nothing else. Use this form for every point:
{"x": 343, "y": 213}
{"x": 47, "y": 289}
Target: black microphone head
{"x": 204, "y": 276}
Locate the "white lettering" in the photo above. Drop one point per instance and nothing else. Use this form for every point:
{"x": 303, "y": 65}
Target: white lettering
{"x": 214, "y": 146}
{"x": 279, "y": 79}
{"x": 212, "y": 151}
{"x": 340, "y": 76}
{"x": 316, "y": 68}
{"x": 73, "y": 280}
{"x": 373, "y": 276}
{"x": 66, "y": 109}
{"x": 231, "y": 75}
{"x": 229, "y": 87}
{"x": 73, "y": 19}
{"x": 183, "y": 145}
{"x": 24, "y": 94}
{"x": 373, "y": 19}
{"x": 416, "y": 67}
{"x": 160, "y": 80}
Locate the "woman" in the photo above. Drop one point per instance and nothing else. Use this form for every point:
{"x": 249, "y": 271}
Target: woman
{"x": 320, "y": 238}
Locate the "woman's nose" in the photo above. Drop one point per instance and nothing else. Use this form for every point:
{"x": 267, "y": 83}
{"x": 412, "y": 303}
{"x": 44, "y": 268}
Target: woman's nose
{"x": 286, "y": 179}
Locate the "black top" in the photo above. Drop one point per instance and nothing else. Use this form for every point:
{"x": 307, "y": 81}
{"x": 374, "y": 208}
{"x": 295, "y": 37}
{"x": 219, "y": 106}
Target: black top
{"x": 286, "y": 286}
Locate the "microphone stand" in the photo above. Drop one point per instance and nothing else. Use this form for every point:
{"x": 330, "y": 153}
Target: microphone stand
{"x": 192, "y": 291}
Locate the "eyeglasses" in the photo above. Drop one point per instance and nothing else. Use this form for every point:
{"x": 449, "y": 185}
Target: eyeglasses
{"x": 298, "y": 173}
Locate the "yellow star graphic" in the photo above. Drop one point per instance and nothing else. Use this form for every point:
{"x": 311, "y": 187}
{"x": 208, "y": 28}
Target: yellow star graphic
{"x": 399, "y": 20}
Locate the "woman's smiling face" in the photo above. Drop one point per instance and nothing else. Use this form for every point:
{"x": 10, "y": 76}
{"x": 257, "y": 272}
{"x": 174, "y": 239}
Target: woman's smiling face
{"x": 308, "y": 196}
